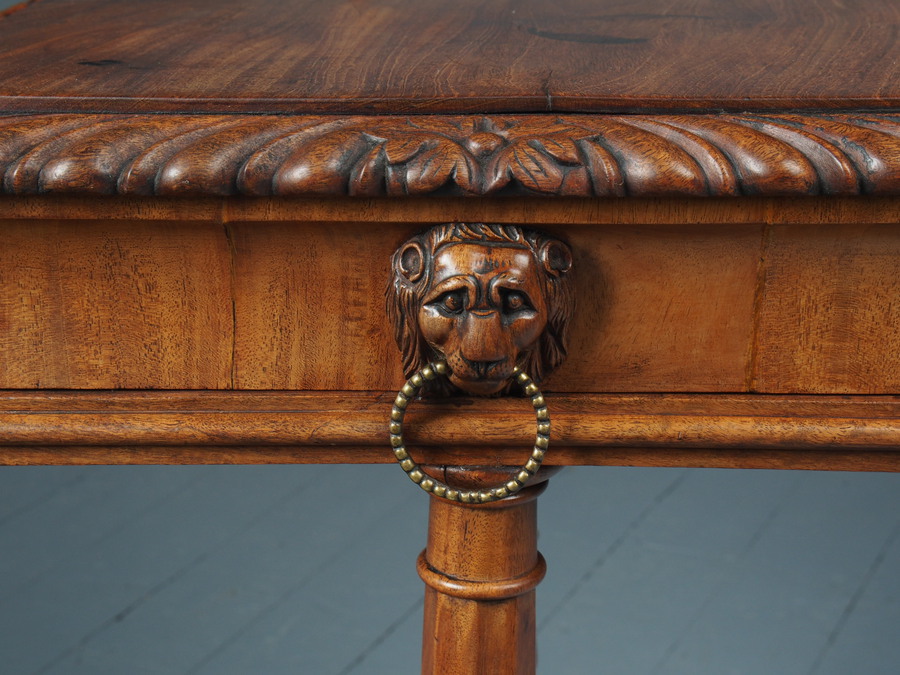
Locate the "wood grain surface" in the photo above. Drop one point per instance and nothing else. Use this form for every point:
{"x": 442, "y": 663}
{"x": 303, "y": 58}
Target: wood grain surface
{"x": 714, "y": 430}
{"x": 481, "y": 567}
{"x": 468, "y": 56}
{"x": 552, "y": 214}
{"x": 105, "y": 305}
{"x": 559, "y": 155}
{"x": 742, "y": 307}
{"x": 830, "y": 310}
{"x": 312, "y": 316}
{"x": 660, "y": 309}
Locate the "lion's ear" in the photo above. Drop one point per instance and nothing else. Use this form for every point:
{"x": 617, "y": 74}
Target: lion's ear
{"x": 556, "y": 257}
{"x": 411, "y": 261}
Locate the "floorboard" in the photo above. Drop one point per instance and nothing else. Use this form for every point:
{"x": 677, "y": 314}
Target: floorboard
{"x": 221, "y": 570}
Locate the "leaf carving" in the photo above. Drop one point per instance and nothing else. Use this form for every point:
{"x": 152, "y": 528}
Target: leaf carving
{"x": 559, "y": 148}
{"x": 574, "y": 155}
{"x": 404, "y": 147}
{"x": 606, "y": 174}
{"x": 367, "y": 176}
{"x": 497, "y": 173}
{"x": 431, "y": 169}
{"x": 534, "y": 169}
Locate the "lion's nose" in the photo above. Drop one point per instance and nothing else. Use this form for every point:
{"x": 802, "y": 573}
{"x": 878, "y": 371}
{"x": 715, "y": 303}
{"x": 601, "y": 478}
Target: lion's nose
{"x": 483, "y": 341}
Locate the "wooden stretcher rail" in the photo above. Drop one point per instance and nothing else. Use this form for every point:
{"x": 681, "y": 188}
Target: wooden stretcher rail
{"x": 712, "y": 430}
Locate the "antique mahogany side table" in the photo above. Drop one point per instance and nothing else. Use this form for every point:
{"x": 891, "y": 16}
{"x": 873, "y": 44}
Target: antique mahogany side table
{"x": 682, "y": 223}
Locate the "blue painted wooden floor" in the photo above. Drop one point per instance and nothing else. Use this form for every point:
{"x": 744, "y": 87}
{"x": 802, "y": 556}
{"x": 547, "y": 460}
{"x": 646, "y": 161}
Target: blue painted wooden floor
{"x": 227, "y": 570}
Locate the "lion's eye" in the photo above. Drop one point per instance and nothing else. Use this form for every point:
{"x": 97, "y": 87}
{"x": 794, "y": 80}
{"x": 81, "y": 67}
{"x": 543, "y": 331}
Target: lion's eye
{"x": 453, "y": 302}
{"x": 514, "y": 301}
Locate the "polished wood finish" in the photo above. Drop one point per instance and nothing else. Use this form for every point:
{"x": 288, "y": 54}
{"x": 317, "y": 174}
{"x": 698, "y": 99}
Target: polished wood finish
{"x": 560, "y": 214}
{"x": 710, "y": 430}
{"x": 104, "y": 306}
{"x": 470, "y": 56}
{"x": 480, "y": 569}
{"x": 485, "y": 299}
{"x": 247, "y": 305}
{"x": 568, "y": 155}
{"x": 288, "y": 334}
{"x": 661, "y": 309}
{"x": 841, "y": 286}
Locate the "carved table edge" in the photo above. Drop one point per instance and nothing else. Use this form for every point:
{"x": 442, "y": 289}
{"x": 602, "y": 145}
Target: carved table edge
{"x": 588, "y": 155}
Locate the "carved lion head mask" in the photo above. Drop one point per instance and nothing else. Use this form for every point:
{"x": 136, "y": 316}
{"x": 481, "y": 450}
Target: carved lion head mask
{"x": 485, "y": 298}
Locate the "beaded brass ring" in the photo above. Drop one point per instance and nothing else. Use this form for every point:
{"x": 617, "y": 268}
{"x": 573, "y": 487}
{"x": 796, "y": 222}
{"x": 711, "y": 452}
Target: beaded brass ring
{"x": 436, "y": 487}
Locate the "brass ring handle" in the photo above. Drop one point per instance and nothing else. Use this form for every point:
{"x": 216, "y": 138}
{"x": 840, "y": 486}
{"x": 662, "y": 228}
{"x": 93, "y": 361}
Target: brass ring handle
{"x": 436, "y": 487}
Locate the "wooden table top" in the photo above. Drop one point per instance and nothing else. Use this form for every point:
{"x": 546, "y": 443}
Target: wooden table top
{"x": 297, "y": 97}
{"x": 470, "y": 56}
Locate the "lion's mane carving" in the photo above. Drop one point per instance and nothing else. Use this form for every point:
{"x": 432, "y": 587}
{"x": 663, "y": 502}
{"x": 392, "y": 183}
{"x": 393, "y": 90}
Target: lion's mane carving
{"x": 412, "y": 280}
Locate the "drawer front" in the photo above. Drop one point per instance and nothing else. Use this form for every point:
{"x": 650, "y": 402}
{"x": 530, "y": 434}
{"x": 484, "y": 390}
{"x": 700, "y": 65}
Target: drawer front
{"x": 250, "y": 305}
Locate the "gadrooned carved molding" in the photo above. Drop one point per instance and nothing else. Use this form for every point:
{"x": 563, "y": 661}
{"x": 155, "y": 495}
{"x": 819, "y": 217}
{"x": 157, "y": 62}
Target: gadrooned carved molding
{"x": 571, "y": 155}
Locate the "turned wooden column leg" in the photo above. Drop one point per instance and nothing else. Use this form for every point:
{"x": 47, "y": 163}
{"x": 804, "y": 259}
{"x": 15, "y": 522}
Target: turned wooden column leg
{"x": 480, "y": 568}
